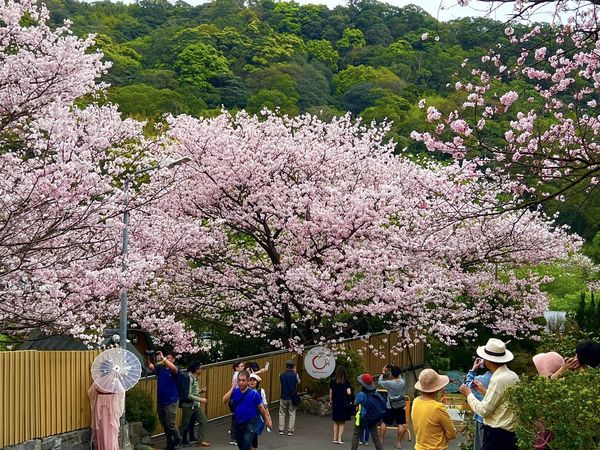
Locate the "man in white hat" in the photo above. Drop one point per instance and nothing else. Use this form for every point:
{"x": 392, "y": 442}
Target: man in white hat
{"x": 499, "y": 421}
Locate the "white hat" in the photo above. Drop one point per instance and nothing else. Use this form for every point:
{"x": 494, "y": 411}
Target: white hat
{"x": 495, "y": 351}
{"x": 256, "y": 377}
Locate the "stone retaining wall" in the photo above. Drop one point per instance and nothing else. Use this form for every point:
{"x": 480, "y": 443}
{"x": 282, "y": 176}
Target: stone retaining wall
{"x": 80, "y": 440}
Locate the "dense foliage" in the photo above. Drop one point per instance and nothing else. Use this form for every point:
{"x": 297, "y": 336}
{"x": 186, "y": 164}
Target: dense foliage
{"x": 367, "y": 57}
{"x": 314, "y": 225}
{"x": 370, "y": 58}
{"x": 567, "y": 407}
{"x": 139, "y": 408}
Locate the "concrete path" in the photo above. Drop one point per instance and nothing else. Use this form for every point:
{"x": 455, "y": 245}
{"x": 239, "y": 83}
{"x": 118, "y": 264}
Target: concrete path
{"x": 312, "y": 432}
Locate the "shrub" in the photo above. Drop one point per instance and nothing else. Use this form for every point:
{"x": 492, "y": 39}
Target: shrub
{"x": 353, "y": 364}
{"x": 139, "y": 408}
{"x": 565, "y": 341}
{"x": 568, "y": 407}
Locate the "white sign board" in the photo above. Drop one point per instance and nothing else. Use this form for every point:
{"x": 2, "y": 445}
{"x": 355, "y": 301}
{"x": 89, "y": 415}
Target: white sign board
{"x": 319, "y": 362}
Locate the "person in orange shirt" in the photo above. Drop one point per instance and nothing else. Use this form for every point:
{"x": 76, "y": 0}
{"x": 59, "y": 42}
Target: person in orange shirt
{"x": 431, "y": 422}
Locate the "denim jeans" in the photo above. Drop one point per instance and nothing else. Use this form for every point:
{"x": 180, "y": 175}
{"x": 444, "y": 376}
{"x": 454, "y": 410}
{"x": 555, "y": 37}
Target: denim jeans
{"x": 244, "y": 434}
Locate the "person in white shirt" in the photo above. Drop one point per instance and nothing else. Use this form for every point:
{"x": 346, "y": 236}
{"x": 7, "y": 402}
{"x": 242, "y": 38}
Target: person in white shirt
{"x": 499, "y": 421}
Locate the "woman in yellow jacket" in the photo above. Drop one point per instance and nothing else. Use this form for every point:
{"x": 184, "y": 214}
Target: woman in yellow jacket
{"x": 431, "y": 422}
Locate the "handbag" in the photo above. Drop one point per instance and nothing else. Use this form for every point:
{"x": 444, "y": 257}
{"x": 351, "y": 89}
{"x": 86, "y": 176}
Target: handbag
{"x": 349, "y": 404}
{"x": 397, "y": 402}
{"x": 295, "y": 398}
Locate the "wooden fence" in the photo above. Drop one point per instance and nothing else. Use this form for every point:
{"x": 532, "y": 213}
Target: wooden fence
{"x": 44, "y": 393}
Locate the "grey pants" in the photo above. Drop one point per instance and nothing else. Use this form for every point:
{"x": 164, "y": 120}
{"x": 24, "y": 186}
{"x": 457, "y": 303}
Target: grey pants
{"x": 286, "y": 407}
{"x": 189, "y": 417}
{"x": 167, "y": 415}
{"x": 358, "y": 431}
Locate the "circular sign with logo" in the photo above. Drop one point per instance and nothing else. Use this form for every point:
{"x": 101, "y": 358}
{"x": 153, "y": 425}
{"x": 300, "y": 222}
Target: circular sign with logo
{"x": 319, "y": 362}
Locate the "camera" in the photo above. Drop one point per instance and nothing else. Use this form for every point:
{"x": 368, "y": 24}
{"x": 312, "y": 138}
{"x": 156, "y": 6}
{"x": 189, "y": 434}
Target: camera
{"x": 150, "y": 355}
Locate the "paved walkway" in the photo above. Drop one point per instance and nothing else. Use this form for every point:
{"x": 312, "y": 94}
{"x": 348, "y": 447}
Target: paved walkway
{"x": 312, "y": 432}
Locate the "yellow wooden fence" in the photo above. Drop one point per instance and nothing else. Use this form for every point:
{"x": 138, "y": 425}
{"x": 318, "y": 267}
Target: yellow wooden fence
{"x": 43, "y": 393}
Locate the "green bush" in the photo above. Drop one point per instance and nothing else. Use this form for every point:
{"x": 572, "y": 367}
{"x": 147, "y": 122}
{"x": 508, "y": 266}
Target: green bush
{"x": 568, "y": 407}
{"x": 565, "y": 341}
{"x": 139, "y": 408}
{"x": 353, "y": 365}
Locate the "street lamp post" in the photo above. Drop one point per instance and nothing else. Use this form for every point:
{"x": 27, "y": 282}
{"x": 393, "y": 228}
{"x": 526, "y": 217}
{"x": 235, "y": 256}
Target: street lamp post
{"x": 125, "y": 442}
{"x": 124, "y": 300}
{"x": 124, "y": 252}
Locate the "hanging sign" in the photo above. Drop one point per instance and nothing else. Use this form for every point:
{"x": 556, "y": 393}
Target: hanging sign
{"x": 319, "y": 362}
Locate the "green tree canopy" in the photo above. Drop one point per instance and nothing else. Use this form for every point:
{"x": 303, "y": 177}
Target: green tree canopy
{"x": 198, "y": 62}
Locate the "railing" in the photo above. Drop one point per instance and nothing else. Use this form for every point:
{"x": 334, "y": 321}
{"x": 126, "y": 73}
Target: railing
{"x": 44, "y": 393}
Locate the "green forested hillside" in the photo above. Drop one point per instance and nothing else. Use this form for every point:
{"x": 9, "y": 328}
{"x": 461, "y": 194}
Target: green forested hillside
{"x": 368, "y": 58}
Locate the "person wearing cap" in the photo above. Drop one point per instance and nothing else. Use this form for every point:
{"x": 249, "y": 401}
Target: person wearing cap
{"x": 431, "y": 421}
{"x": 254, "y": 383}
{"x": 368, "y": 388}
{"x": 499, "y": 421}
{"x": 289, "y": 384}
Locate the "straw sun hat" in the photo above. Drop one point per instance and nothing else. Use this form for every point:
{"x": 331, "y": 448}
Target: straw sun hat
{"x": 495, "y": 351}
{"x": 431, "y": 381}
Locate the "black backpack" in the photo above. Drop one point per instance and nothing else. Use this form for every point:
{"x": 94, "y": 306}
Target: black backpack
{"x": 184, "y": 386}
{"x": 375, "y": 408}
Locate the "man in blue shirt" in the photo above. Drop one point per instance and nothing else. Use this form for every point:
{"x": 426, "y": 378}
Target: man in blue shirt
{"x": 289, "y": 384}
{"x": 167, "y": 389}
{"x": 246, "y": 405}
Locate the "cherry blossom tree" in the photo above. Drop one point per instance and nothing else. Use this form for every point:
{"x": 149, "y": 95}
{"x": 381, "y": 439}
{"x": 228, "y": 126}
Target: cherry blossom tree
{"x": 60, "y": 187}
{"x": 292, "y": 229}
{"x": 311, "y": 227}
{"x": 543, "y": 91}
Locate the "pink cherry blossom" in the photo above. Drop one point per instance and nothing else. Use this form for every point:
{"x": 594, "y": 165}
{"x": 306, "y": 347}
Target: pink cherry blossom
{"x": 289, "y": 229}
{"x": 555, "y": 142}
{"x": 306, "y": 222}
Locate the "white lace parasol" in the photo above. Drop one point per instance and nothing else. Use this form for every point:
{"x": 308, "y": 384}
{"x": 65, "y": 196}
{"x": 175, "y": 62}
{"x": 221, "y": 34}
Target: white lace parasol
{"x": 116, "y": 369}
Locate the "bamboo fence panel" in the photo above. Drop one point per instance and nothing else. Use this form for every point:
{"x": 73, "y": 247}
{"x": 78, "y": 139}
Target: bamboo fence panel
{"x": 44, "y": 393}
